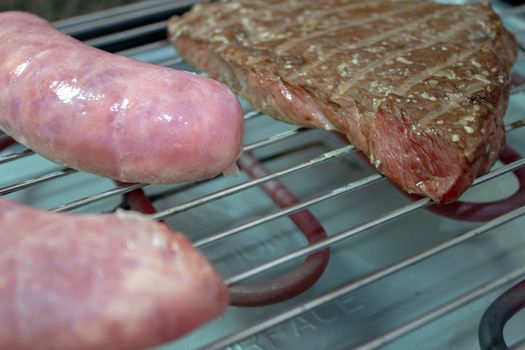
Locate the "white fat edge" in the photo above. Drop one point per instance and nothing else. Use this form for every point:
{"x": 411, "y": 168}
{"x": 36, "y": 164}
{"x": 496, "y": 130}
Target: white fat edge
{"x": 329, "y": 126}
{"x": 153, "y": 236}
{"x": 131, "y": 214}
{"x": 232, "y": 170}
{"x": 319, "y": 115}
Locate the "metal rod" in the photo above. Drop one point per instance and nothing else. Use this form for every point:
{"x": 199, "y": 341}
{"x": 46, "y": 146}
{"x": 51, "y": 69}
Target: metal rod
{"x": 15, "y": 156}
{"x": 359, "y": 283}
{"x": 171, "y": 62}
{"x": 274, "y": 138}
{"x": 252, "y": 114}
{"x": 441, "y": 311}
{"x": 363, "y": 227}
{"x": 36, "y": 180}
{"x": 143, "y": 49}
{"x": 121, "y": 189}
{"x": 126, "y": 35}
{"x": 243, "y": 186}
{"x": 517, "y": 90}
{"x": 328, "y": 242}
{"x": 352, "y": 186}
{"x": 516, "y": 10}
{"x": 93, "y": 17}
{"x": 104, "y": 21}
{"x": 515, "y": 125}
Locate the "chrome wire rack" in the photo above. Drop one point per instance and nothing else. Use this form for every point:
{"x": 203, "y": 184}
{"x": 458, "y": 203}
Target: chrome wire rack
{"x": 391, "y": 270}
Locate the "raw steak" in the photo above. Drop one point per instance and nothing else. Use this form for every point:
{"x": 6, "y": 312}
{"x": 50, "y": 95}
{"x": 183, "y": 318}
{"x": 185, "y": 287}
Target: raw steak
{"x": 419, "y": 87}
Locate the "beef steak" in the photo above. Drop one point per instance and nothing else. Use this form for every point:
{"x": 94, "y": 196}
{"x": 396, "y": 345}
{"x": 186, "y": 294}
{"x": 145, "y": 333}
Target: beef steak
{"x": 421, "y": 88}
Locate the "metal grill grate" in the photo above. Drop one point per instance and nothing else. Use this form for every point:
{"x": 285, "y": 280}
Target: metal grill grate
{"x": 395, "y": 267}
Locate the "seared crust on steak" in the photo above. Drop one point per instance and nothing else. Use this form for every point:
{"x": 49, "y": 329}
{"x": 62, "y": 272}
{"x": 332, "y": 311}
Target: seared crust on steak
{"x": 421, "y": 88}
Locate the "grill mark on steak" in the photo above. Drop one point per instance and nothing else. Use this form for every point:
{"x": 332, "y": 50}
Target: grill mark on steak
{"x": 354, "y": 6}
{"x": 320, "y": 14}
{"x": 391, "y": 78}
{"x": 360, "y": 44}
{"x": 426, "y": 73}
{"x": 293, "y": 43}
{"x": 369, "y": 68}
{"x": 454, "y": 101}
{"x": 271, "y": 7}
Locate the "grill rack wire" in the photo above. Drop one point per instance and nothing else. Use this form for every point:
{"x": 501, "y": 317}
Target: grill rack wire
{"x": 95, "y": 29}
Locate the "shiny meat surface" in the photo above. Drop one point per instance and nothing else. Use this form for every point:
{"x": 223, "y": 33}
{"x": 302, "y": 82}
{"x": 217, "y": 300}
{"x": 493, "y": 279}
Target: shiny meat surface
{"x": 111, "y": 115}
{"x": 99, "y": 282}
{"x": 420, "y": 87}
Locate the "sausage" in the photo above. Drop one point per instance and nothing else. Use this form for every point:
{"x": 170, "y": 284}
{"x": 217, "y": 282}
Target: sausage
{"x": 111, "y": 115}
{"x": 99, "y": 281}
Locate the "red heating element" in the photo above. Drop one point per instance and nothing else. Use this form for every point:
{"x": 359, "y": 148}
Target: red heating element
{"x": 289, "y": 285}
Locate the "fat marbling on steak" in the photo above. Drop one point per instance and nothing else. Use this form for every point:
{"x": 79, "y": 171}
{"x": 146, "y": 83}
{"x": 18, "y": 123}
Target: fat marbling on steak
{"x": 421, "y": 88}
